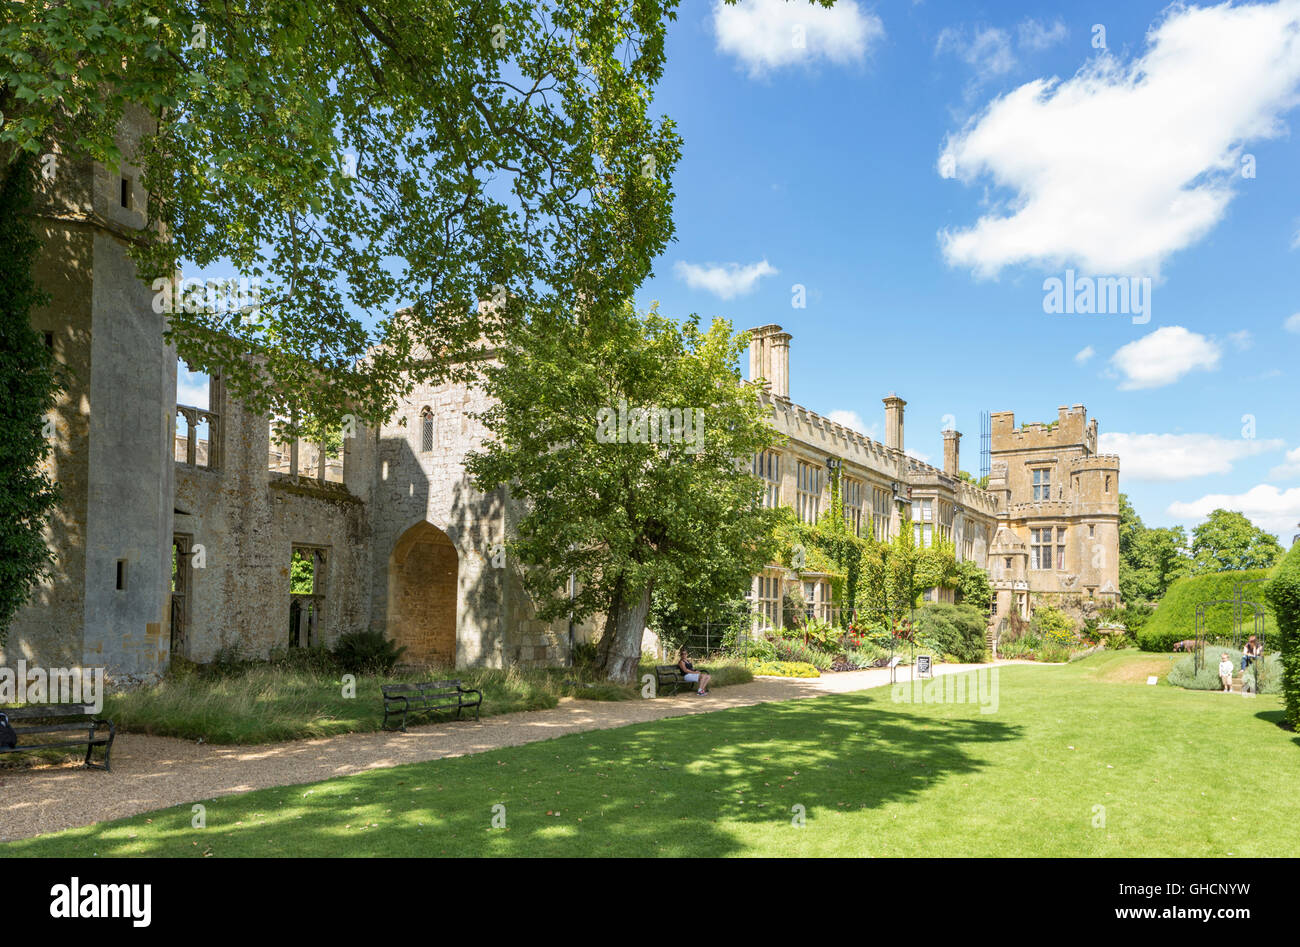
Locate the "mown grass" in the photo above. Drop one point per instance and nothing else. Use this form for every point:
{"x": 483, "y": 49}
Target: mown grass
{"x": 1077, "y": 760}
{"x": 265, "y": 704}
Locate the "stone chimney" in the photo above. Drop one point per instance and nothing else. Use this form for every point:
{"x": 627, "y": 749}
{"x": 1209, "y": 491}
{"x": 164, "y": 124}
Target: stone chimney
{"x": 894, "y": 421}
{"x": 764, "y": 360}
{"x": 779, "y": 353}
{"x": 952, "y": 453}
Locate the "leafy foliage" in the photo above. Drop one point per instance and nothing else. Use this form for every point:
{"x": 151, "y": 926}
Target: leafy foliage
{"x": 1229, "y": 542}
{"x": 957, "y": 630}
{"x": 367, "y": 652}
{"x": 625, "y": 517}
{"x": 1149, "y": 559}
{"x": 1282, "y": 592}
{"x": 357, "y": 157}
{"x": 29, "y": 382}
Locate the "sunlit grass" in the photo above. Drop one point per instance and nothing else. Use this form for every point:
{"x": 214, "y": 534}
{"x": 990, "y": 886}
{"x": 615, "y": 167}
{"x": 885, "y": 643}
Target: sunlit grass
{"x": 1174, "y": 772}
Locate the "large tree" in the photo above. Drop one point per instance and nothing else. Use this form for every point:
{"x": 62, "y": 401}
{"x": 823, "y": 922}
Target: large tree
{"x": 1229, "y": 542}
{"x": 1150, "y": 558}
{"x": 29, "y": 384}
{"x": 576, "y": 402}
{"x": 361, "y": 157}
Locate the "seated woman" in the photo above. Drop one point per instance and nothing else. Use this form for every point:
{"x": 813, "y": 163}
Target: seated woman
{"x": 691, "y": 675}
{"x": 1250, "y": 652}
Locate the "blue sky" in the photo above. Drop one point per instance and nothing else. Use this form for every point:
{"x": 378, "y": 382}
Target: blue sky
{"x": 826, "y": 162}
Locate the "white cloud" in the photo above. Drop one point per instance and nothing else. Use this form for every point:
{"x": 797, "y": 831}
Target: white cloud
{"x": 1163, "y": 357}
{"x": 853, "y": 420}
{"x": 922, "y": 457}
{"x": 725, "y": 280}
{"x": 770, "y": 34}
{"x": 1292, "y": 323}
{"x": 1036, "y": 36}
{"x": 1084, "y": 354}
{"x": 1265, "y": 505}
{"x": 1289, "y": 468}
{"x": 1241, "y": 340}
{"x": 987, "y": 50}
{"x": 1167, "y": 457}
{"x": 1119, "y": 166}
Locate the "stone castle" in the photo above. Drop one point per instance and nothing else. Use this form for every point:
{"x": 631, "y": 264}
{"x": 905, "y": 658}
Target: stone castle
{"x": 184, "y": 542}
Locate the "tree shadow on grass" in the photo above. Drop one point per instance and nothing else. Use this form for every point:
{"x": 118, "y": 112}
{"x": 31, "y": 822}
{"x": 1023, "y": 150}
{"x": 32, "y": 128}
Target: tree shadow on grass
{"x": 1278, "y": 719}
{"x": 699, "y": 785}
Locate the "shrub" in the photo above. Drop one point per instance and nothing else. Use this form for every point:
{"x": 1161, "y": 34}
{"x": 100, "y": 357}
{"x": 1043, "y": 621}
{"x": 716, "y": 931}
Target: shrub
{"x": 361, "y": 652}
{"x": 585, "y": 653}
{"x": 784, "y": 669}
{"x": 1054, "y": 626}
{"x": 1174, "y": 619}
{"x": 957, "y": 630}
{"x": 1282, "y": 591}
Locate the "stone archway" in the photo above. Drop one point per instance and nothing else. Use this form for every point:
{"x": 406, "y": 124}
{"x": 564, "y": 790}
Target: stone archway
{"x": 422, "y": 582}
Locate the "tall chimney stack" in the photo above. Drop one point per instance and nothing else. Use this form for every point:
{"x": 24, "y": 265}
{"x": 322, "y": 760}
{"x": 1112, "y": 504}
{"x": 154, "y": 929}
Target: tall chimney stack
{"x": 779, "y": 353}
{"x": 762, "y": 360}
{"x": 894, "y": 421}
{"x": 952, "y": 453}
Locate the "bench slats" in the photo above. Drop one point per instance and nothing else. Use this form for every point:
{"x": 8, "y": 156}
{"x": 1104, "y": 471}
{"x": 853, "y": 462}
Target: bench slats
{"x": 39, "y": 711}
{"x": 54, "y": 727}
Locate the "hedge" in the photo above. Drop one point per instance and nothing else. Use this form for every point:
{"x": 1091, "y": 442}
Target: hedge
{"x": 1283, "y": 594}
{"x": 1175, "y": 617}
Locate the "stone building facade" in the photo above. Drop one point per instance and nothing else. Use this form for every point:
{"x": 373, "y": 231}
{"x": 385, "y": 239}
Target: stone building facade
{"x": 881, "y": 485}
{"x": 186, "y": 530}
{"x": 182, "y": 526}
{"x": 1058, "y": 514}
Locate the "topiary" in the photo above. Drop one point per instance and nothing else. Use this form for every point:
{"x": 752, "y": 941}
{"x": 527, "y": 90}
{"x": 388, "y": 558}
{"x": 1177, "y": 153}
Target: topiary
{"x": 1282, "y": 592}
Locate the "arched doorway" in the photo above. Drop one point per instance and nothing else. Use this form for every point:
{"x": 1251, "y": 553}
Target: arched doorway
{"x": 422, "y": 581}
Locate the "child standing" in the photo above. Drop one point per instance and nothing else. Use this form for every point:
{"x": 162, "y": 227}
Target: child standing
{"x": 1225, "y": 672}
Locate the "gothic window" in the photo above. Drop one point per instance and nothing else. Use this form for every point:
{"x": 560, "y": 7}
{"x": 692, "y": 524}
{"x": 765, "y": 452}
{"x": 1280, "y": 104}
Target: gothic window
{"x": 426, "y": 431}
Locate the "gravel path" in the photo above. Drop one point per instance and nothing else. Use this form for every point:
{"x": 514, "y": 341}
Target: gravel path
{"x": 156, "y": 772}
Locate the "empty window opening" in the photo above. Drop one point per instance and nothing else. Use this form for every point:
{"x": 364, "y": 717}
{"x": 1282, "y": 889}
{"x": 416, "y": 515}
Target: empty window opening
{"x": 49, "y": 341}
{"x": 196, "y": 419}
{"x": 314, "y": 450}
{"x": 126, "y": 193}
{"x": 121, "y": 575}
{"x": 307, "y": 573}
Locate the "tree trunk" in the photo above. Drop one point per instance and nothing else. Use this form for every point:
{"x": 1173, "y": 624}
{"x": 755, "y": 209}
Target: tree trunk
{"x": 620, "y": 645}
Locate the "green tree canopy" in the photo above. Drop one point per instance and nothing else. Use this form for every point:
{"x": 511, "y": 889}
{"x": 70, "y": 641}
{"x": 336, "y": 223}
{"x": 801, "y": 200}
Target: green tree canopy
{"x": 602, "y": 501}
{"x": 1150, "y": 558}
{"x": 380, "y": 166}
{"x": 1229, "y": 542}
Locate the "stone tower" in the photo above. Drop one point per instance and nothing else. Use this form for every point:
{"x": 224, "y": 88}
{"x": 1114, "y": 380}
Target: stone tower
{"x": 107, "y": 603}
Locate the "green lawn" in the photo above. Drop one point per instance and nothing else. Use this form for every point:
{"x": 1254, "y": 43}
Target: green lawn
{"x": 1178, "y": 772}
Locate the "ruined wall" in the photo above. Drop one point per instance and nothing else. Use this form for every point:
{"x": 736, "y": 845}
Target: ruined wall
{"x": 248, "y": 521}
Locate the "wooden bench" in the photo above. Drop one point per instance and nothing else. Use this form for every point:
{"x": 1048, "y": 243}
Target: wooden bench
{"x": 59, "y": 718}
{"x": 671, "y": 675}
{"x": 405, "y": 699}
